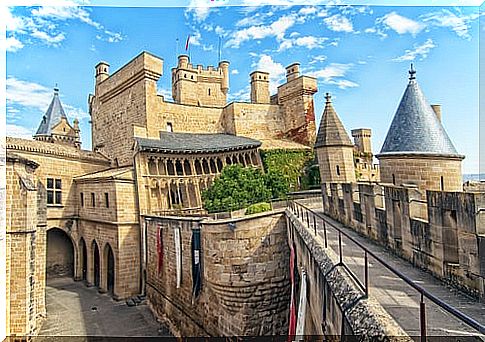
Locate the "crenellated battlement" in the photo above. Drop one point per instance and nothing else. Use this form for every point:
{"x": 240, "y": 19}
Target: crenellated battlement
{"x": 199, "y": 85}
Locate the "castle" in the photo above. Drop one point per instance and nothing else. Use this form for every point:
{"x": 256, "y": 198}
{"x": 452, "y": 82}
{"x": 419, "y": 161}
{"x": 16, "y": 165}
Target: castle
{"x": 153, "y": 157}
{"x": 150, "y": 156}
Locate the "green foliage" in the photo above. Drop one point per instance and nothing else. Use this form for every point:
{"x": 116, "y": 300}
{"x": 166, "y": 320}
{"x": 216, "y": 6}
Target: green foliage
{"x": 299, "y": 168}
{"x": 258, "y": 208}
{"x": 277, "y": 183}
{"x": 236, "y": 188}
{"x": 239, "y": 187}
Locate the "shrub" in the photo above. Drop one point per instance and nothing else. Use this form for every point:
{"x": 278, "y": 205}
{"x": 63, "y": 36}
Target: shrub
{"x": 258, "y": 208}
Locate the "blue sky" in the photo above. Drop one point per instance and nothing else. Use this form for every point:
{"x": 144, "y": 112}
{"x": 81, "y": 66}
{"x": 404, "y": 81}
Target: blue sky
{"x": 360, "y": 54}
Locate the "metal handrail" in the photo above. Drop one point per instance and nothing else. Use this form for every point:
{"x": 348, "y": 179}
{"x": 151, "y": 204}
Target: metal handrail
{"x": 422, "y": 291}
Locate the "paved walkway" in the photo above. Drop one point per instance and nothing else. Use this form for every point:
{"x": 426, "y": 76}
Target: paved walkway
{"x": 399, "y": 299}
{"x": 76, "y": 310}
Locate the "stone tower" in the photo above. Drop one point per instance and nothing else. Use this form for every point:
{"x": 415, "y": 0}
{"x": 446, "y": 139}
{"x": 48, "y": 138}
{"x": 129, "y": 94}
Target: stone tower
{"x": 197, "y": 86}
{"x": 260, "y": 87}
{"x": 362, "y": 141}
{"x": 295, "y": 98}
{"x": 333, "y": 148}
{"x": 55, "y": 126}
{"x": 417, "y": 149}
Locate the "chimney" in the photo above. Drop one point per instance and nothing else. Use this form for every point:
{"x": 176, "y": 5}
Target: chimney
{"x": 437, "y": 110}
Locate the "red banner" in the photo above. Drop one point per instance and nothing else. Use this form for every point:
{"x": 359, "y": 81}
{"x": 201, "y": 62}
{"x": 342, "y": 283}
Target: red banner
{"x": 160, "y": 249}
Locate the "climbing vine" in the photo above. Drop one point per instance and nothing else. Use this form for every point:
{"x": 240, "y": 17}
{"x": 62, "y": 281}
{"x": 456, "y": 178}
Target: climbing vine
{"x": 298, "y": 167}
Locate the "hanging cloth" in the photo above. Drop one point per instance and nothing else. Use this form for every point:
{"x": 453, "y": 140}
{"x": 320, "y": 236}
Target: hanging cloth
{"x": 292, "y": 321}
{"x": 159, "y": 249}
{"x": 196, "y": 265}
{"x": 300, "y": 324}
{"x": 178, "y": 255}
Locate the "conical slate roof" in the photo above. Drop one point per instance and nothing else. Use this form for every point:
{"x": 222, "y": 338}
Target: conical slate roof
{"x": 331, "y": 131}
{"x": 415, "y": 127}
{"x": 53, "y": 115}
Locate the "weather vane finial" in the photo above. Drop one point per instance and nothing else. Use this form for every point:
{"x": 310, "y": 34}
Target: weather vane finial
{"x": 328, "y": 97}
{"x": 56, "y": 89}
{"x": 412, "y": 72}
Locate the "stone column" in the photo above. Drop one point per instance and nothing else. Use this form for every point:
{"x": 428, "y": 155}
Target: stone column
{"x": 103, "y": 279}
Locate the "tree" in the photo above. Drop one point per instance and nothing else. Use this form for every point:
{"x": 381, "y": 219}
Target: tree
{"x": 239, "y": 187}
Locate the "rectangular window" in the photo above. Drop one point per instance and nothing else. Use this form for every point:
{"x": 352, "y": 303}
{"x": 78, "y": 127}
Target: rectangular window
{"x": 54, "y": 191}
{"x": 106, "y": 199}
{"x": 169, "y": 127}
{"x": 82, "y": 199}
{"x": 93, "y": 200}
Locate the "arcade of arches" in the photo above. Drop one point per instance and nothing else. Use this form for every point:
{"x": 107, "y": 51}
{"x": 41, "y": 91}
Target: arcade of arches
{"x": 175, "y": 182}
{"x": 89, "y": 262}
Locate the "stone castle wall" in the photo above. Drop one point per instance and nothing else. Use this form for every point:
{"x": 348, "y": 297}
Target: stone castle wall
{"x": 424, "y": 172}
{"x": 25, "y": 247}
{"x": 120, "y": 102}
{"x": 245, "y": 276}
{"x": 335, "y": 306}
{"x": 438, "y": 231}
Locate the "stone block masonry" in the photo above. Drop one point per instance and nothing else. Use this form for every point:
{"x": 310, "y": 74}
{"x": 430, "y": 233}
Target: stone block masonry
{"x": 245, "y": 284}
{"x": 438, "y": 231}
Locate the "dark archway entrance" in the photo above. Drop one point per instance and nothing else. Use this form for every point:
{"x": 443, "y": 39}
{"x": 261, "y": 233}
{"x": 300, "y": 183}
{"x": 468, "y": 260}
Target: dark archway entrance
{"x": 83, "y": 258}
{"x": 60, "y": 254}
{"x": 96, "y": 266}
{"x": 110, "y": 269}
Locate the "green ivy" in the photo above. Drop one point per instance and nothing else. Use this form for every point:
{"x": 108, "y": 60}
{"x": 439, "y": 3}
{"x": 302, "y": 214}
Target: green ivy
{"x": 298, "y": 167}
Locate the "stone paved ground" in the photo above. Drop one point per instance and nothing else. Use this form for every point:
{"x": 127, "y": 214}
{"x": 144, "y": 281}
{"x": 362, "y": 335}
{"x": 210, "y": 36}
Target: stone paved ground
{"x": 76, "y": 310}
{"x": 399, "y": 299}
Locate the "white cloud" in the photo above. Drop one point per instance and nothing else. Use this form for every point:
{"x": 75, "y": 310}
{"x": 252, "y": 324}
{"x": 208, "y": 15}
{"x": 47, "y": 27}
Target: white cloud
{"x": 33, "y": 96}
{"x": 47, "y": 38}
{"x": 17, "y": 131}
{"x": 276, "y": 71}
{"x": 459, "y": 23}
{"x": 307, "y": 10}
{"x": 277, "y": 29}
{"x": 420, "y": 51}
{"x": 400, "y": 24}
{"x": 234, "y": 72}
{"x": 334, "y": 74}
{"x": 199, "y": 9}
{"x": 241, "y": 95}
{"x": 12, "y": 44}
{"x": 309, "y": 42}
{"x": 167, "y": 94}
{"x": 339, "y": 23}
{"x": 44, "y": 22}
{"x": 318, "y": 59}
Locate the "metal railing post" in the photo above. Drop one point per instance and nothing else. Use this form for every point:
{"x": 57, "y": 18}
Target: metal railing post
{"x": 315, "y": 224}
{"x": 325, "y": 233}
{"x": 422, "y": 318}
{"x": 307, "y": 220}
{"x": 366, "y": 274}
{"x": 340, "y": 246}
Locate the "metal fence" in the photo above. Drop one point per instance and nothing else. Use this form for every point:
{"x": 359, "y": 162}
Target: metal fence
{"x": 312, "y": 220}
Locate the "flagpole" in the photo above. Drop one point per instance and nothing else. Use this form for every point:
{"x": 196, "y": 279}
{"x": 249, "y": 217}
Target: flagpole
{"x": 220, "y": 48}
{"x": 177, "y": 47}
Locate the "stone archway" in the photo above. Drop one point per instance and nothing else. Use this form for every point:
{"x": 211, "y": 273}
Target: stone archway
{"x": 83, "y": 259}
{"x": 96, "y": 264}
{"x": 109, "y": 261}
{"x": 60, "y": 254}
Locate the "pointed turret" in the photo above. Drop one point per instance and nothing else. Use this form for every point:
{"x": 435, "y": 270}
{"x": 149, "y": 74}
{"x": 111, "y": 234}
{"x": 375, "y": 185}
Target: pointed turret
{"x": 55, "y": 126}
{"x": 331, "y": 131}
{"x": 333, "y": 148}
{"x": 417, "y": 149}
